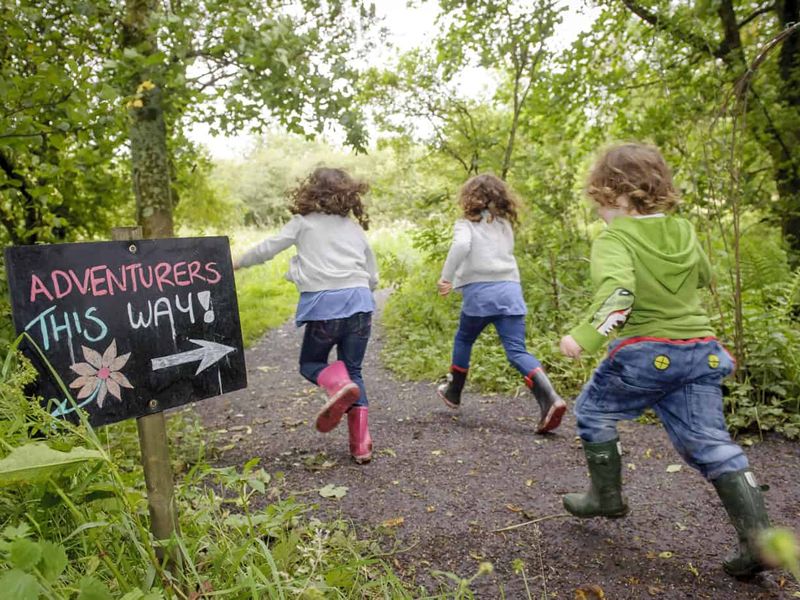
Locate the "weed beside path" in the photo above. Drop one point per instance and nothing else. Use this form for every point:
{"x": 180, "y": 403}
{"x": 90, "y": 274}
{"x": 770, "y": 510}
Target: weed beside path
{"x": 442, "y": 482}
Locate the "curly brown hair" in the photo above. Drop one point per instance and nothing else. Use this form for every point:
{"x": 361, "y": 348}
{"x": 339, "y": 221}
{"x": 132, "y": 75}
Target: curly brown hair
{"x": 332, "y": 192}
{"x": 637, "y": 172}
{"x": 488, "y": 192}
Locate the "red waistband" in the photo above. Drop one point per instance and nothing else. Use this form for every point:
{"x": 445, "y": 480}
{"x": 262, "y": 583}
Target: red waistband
{"x": 636, "y": 340}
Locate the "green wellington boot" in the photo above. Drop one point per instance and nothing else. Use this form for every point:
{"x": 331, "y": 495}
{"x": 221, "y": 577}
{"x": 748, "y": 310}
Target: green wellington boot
{"x": 604, "y": 498}
{"x": 744, "y": 503}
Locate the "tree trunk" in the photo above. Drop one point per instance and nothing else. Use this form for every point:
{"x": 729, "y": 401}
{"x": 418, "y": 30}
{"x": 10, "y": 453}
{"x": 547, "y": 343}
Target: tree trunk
{"x": 148, "y": 133}
{"x": 150, "y": 164}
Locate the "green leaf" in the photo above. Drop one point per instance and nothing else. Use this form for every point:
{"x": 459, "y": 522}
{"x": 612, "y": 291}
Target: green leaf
{"x": 333, "y": 491}
{"x": 34, "y": 463}
{"x": 257, "y": 485}
{"x": 54, "y": 560}
{"x": 24, "y": 553}
{"x": 93, "y": 589}
{"x": 19, "y": 585}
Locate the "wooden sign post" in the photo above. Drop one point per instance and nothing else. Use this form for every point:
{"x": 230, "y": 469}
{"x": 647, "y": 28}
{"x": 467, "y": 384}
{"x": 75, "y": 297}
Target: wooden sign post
{"x": 154, "y": 447}
{"x": 133, "y": 327}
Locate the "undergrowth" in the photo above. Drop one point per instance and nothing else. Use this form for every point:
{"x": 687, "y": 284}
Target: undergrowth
{"x": 420, "y": 325}
{"x": 74, "y": 519}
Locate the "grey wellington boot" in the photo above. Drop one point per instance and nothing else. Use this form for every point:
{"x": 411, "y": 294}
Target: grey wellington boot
{"x": 604, "y": 498}
{"x": 742, "y": 498}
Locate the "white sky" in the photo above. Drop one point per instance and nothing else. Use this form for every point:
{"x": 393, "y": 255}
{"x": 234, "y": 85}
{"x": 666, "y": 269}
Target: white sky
{"x": 408, "y": 27}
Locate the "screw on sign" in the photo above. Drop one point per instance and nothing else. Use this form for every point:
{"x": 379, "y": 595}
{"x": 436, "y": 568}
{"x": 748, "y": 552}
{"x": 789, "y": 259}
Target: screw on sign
{"x": 130, "y": 328}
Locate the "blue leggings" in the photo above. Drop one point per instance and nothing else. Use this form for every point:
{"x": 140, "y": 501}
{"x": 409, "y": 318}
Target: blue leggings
{"x": 511, "y": 330}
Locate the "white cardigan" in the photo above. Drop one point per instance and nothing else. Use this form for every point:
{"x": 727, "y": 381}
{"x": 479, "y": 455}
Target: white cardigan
{"x": 481, "y": 251}
{"x": 332, "y": 253}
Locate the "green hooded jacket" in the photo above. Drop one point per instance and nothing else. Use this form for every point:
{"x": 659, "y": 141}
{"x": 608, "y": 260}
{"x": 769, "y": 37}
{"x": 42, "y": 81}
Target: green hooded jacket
{"x": 646, "y": 272}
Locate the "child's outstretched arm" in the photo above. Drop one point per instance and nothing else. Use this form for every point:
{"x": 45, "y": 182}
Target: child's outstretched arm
{"x": 615, "y": 284}
{"x": 266, "y": 250}
{"x": 372, "y": 268}
{"x": 459, "y": 249}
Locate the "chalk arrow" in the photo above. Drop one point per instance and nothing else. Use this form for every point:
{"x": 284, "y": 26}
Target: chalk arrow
{"x": 207, "y": 354}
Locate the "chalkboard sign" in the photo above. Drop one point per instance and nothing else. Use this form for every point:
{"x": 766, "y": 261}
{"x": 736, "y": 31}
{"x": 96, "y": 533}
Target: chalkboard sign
{"x": 131, "y": 327}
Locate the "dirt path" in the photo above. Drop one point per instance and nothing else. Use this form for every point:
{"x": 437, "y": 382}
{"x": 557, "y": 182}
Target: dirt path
{"x": 456, "y": 477}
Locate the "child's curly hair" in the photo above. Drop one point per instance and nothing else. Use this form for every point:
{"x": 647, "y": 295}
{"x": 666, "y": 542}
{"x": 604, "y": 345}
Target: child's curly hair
{"x": 637, "y": 172}
{"x": 488, "y": 192}
{"x": 332, "y": 192}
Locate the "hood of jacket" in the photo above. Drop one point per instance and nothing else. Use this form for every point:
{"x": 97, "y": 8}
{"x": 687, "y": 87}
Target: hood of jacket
{"x": 665, "y": 246}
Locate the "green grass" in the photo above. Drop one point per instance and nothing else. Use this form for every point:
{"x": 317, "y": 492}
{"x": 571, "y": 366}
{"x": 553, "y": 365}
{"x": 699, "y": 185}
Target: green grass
{"x": 81, "y": 532}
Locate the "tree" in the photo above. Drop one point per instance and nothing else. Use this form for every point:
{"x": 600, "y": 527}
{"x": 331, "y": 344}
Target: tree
{"x": 232, "y": 64}
{"x": 508, "y": 36}
{"x": 733, "y": 33}
{"x": 60, "y": 173}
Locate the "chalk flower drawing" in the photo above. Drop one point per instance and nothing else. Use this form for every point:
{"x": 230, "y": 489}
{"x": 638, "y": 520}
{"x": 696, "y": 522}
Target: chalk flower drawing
{"x": 101, "y": 374}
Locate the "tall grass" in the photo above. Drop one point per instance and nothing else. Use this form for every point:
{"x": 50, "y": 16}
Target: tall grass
{"x": 81, "y": 532}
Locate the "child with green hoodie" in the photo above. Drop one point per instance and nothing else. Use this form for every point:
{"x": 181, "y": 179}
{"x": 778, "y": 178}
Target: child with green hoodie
{"x": 646, "y": 269}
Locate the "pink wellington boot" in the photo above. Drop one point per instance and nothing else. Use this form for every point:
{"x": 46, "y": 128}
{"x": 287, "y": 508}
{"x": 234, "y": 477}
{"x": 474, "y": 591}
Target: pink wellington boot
{"x": 360, "y": 440}
{"x": 342, "y": 394}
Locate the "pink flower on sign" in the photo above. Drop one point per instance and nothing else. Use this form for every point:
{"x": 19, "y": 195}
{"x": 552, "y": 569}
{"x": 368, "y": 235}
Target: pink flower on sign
{"x": 101, "y": 374}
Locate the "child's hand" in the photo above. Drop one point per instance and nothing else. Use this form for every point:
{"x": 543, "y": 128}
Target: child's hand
{"x": 569, "y": 347}
{"x": 445, "y": 287}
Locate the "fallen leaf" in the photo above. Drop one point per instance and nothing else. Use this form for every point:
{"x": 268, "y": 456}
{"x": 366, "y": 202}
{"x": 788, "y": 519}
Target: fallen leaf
{"x": 318, "y": 462}
{"x": 665, "y": 554}
{"x": 681, "y": 526}
{"x": 244, "y": 428}
{"x": 396, "y": 522}
{"x": 514, "y": 508}
{"x": 631, "y": 467}
{"x": 430, "y": 508}
{"x": 387, "y": 452}
{"x": 333, "y": 491}
{"x": 693, "y": 570}
{"x": 648, "y": 453}
{"x": 590, "y": 592}
{"x": 530, "y": 482}
{"x": 654, "y": 590}
{"x": 475, "y": 555}
{"x": 437, "y": 452}
{"x": 674, "y": 468}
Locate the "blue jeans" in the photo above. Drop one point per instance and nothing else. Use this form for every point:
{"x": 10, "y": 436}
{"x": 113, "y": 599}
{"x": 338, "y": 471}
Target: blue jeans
{"x": 680, "y": 380}
{"x": 350, "y": 336}
{"x": 511, "y": 330}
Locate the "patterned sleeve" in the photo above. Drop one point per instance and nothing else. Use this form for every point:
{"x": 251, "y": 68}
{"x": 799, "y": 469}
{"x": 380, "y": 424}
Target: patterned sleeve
{"x": 614, "y": 283}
